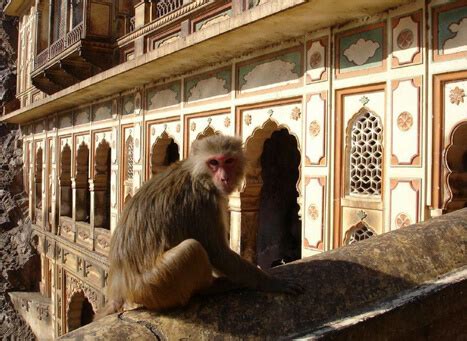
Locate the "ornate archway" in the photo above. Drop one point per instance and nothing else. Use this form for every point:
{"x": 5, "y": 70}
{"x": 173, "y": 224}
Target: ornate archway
{"x": 101, "y": 185}
{"x": 270, "y": 222}
{"x": 164, "y": 152}
{"x": 79, "y": 312}
{"x": 456, "y": 164}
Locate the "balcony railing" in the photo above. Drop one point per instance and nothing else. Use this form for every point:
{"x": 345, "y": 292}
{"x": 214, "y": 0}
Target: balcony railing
{"x": 60, "y": 45}
{"x": 164, "y": 7}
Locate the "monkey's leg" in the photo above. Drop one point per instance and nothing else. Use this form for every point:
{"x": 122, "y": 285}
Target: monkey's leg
{"x": 176, "y": 275}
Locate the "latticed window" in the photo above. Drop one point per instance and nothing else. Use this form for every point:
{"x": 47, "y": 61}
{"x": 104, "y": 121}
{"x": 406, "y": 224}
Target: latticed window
{"x": 360, "y": 232}
{"x": 366, "y": 155}
{"x": 129, "y": 158}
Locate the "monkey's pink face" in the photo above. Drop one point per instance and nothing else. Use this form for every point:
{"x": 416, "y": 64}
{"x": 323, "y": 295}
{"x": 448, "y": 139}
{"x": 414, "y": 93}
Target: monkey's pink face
{"x": 224, "y": 172}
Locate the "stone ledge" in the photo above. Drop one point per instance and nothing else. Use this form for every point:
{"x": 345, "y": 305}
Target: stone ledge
{"x": 339, "y": 284}
{"x": 36, "y": 311}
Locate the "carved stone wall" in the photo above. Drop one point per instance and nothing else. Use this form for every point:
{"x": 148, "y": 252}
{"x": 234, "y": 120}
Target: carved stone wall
{"x": 19, "y": 268}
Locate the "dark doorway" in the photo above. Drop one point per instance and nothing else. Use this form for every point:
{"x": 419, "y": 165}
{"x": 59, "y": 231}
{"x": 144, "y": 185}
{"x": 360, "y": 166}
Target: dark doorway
{"x": 456, "y": 160}
{"x": 278, "y": 238}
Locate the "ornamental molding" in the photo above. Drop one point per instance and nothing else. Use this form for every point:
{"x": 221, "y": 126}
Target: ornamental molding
{"x": 74, "y": 286}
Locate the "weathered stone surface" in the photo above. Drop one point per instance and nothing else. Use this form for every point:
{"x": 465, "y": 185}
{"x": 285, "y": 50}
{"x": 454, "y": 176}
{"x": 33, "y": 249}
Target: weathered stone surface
{"x": 19, "y": 263}
{"x": 8, "y": 43}
{"x": 338, "y": 283}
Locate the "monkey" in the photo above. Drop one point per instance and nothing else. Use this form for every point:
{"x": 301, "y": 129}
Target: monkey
{"x": 172, "y": 235}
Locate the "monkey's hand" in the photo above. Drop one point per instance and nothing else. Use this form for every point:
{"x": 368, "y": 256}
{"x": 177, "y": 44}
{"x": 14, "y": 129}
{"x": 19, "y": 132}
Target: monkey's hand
{"x": 286, "y": 286}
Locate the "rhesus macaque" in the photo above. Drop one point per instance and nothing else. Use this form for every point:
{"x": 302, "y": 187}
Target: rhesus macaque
{"x": 172, "y": 233}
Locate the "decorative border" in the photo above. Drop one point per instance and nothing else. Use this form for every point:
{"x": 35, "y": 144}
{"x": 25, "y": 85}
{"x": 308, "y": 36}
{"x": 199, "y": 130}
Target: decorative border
{"x": 416, "y": 158}
{"x": 339, "y": 161}
{"x": 417, "y": 57}
{"x": 438, "y": 174}
{"x": 323, "y": 160}
{"x": 324, "y": 41}
{"x": 158, "y": 88}
{"x": 293, "y": 83}
{"x": 211, "y": 13}
{"x": 435, "y": 21}
{"x": 239, "y": 111}
{"x": 122, "y": 166}
{"x": 186, "y": 121}
{"x": 322, "y": 181}
{"x": 366, "y": 71}
{"x": 150, "y": 39}
{"x": 207, "y": 100}
{"x": 415, "y": 184}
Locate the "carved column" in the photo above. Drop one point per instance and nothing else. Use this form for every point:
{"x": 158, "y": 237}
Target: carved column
{"x": 244, "y": 214}
{"x": 99, "y": 201}
{"x": 80, "y": 197}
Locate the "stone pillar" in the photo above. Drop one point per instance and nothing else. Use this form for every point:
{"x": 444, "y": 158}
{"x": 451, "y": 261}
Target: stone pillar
{"x": 99, "y": 201}
{"x": 244, "y": 214}
{"x": 80, "y": 197}
{"x": 142, "y": 13}
{"x": 65, "y": 197}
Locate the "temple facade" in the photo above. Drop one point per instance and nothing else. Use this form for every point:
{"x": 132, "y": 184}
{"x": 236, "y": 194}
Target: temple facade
{"x": 353, "y": 117}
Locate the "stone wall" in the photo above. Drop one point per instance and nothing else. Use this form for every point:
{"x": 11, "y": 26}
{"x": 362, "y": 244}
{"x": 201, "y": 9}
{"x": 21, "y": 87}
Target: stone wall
{"x": 8, "y": 43}
{"x": 19, "y": 262}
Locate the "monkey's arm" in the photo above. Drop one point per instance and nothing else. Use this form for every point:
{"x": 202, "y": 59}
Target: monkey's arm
{"x": 243, "y": 272}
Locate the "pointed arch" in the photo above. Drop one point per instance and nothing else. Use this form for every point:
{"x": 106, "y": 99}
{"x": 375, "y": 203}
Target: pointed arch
{"x": 102, "y": 185}
{"x": 271, "y": 230}
{"x": 164, "y": 152}
{"x": 364, "y": 154}
{"x": 66, "y": 196}
{"x": 82, "y": 204}
{"x": 455, "y": 161}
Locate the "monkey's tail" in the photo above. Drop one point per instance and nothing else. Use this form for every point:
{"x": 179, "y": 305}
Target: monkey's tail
{"x": 113, "y": 306}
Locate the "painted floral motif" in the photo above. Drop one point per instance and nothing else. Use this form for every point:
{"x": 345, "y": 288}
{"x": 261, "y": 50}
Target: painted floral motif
{"x": 248, "y": 119}
{"x": 296, "y": 113}
{"x": 404, "y": 121}
{"x": 364, "y": 100}
{"x": 313, "y": 212}
{"x": 457, "y": 95}
{"x": 209, "y": 120}
{"x": 227, "y": 122}
{"x": 315, "y": 59}
{"x": 193, "y": 126}
{"x": 402, "y": 220}
{"x": 177, "y": 128}
{"x": 405, "y": 39}
{"x": 153, "y": 131}
{"x": 314, "y": 128}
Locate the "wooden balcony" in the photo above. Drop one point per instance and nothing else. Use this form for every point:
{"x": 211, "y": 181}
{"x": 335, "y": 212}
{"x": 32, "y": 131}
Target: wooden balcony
{"x": 69, "y": 60}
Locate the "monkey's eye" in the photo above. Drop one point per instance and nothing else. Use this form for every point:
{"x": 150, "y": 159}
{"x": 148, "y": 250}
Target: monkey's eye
{"x": 229, "y": 161}
{"x": 214, "y": 162}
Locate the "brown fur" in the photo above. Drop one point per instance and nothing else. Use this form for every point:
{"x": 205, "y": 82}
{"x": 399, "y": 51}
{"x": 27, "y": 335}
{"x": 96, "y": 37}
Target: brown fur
{"x": 172, "y": 235}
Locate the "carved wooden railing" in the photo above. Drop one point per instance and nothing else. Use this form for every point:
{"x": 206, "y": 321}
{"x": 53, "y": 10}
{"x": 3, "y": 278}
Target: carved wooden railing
{"x": 164, "y": 7}
{"x": 41, "y": 58}
{"x": 75, "y": 34}
{"x": 59, "y": 46}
